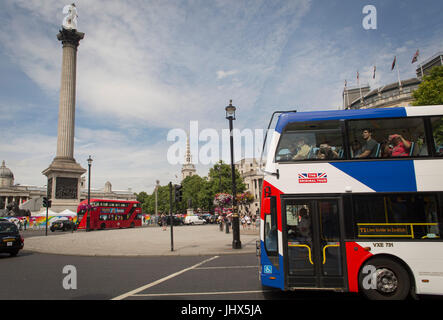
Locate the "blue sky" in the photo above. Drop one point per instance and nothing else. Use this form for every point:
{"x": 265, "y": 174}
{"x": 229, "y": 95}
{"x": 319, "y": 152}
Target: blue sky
{"x": 146, "y": 67}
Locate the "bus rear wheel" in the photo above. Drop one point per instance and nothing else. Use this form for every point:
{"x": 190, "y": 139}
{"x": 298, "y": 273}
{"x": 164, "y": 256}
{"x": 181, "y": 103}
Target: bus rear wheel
{"x": 384, "y": 279}
{"x": 102, "y": 226}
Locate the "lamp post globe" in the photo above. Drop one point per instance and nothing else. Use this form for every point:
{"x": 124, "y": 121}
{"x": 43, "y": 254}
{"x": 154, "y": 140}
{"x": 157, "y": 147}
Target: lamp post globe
{"x": 230, "y": 111}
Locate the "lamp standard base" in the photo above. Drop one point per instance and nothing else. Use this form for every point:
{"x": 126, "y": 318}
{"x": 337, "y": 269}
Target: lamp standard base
{"x": 236, "y": 244}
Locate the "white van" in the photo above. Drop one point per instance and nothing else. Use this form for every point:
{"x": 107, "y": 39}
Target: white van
{"x": 194, "y": 220}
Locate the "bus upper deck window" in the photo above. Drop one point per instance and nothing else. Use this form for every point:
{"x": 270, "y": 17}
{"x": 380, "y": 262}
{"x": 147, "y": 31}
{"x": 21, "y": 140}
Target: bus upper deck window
{"x": 313, "y": 140}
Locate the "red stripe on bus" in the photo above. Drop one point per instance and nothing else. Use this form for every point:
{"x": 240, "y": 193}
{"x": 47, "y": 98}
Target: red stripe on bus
{"x": 356, "y": 255}
{"x": 277, "y": 193}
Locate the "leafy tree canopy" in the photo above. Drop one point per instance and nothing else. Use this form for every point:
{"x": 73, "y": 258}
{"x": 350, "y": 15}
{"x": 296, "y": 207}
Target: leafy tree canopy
{"x": 198, "y": 192}
{"x": 430, "y": 91}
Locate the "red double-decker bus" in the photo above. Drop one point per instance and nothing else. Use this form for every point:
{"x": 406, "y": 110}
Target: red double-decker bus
{"x": 109, "y": 214}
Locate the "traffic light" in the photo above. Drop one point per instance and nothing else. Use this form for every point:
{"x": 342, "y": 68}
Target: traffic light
{"x": 46, "y": 202}
{"x": 178, "y": 193}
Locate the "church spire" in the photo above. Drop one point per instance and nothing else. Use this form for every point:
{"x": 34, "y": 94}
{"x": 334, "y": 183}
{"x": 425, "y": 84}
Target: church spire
{"x": 188, "y": 168}
{"x": 188, "y": 156}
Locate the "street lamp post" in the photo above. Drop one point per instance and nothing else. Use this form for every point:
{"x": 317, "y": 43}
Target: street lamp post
{"x": 236, "y": 243}
{"x": 88, "y": 214}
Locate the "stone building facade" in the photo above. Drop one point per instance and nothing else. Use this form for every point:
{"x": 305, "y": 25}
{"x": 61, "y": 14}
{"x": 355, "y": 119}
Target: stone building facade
{"x": 253, "y": 179}
{"x": 392, "y": 95}
{"x": 30, "y": 197}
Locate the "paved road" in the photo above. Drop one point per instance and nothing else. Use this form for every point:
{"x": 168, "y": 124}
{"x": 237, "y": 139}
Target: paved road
{"x": 40, "y": 276}
{"x": 180, "y": 277}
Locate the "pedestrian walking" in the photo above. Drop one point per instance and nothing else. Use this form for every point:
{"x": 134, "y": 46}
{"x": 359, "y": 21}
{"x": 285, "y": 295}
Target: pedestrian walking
{"x": 220, "y": 221}
{"x": 243, "y": 222}
{"x": 248, "y": 222}
{"x": 163, "y": 220}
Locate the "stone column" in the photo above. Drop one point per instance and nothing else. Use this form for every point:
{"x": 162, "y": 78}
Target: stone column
{"x": 64, "y": 172}
{"x": 65, "y": 140}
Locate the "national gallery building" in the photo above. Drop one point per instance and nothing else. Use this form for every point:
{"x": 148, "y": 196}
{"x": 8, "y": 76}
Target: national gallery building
{"x": 30, "y": 197}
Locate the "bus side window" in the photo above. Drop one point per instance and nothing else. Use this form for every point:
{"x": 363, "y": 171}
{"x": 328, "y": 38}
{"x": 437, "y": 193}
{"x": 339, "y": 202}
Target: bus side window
{"x": 408, "y": 216}
{"x": 388, "y": 138}
{"x": 437, "y": 127}
{"x": 271, "y": 231}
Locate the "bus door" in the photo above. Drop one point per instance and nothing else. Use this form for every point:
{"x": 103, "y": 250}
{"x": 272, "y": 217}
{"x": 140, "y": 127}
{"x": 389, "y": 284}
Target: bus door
{"x": 313, "y": 245}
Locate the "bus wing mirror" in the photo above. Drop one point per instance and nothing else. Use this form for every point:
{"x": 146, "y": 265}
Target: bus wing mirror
{"x": 267, "y": 205}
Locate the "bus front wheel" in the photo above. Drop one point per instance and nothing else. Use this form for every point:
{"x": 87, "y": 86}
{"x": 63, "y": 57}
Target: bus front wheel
{"x": 382, "y": 278}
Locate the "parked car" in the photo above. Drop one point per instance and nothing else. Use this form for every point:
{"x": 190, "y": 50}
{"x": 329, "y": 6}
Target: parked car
{"x": 63, "y": 225}
{"x": 10, "y": 239}
{"x": 177, "y": 221}
{"x": 194, "y": 220}
{"x": 210, "y": 218}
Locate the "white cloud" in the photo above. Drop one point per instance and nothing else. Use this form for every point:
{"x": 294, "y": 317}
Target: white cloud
{"x": 223, "y": 74}
{"x": 155, "y": 61}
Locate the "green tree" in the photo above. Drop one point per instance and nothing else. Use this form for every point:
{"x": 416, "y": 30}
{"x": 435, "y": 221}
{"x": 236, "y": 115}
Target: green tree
{"x": 148, "y": 201}
{"x": 221, "y": 181}
{"x": 142, "y": 196}
{"x": 200, "y": 190}
{"x": 430, "y": 91}
{"x": 192, "y": 187}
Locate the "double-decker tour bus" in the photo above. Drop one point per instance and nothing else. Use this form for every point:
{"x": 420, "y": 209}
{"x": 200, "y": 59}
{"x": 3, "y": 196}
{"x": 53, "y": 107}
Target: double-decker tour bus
{"x": 107, "y": 214}
{"x": 352, "y": 200}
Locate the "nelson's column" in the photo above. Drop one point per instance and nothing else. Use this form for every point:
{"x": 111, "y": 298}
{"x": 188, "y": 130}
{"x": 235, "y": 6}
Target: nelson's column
{"x": 64, "y": 172}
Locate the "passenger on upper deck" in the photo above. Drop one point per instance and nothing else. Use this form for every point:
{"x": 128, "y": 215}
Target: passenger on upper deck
{"x": 356, "y": 148}
{"x": 326, "y": 152}
{"x": 385, "y": 149}
{"x": 370, "y": 146}
{"x": 302, "y": 149}
{"x": 401, "y": 146}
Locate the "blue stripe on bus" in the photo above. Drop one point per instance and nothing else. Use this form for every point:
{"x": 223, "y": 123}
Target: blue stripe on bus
{"x": 382, "y": 176}
{"x": 268, "y": 270}
{"x": 286, "y": 118}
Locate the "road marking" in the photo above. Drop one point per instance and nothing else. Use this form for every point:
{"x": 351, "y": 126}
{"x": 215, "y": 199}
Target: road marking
{"x": 197, "y": 293}
{"x": 149, "y": 285}
{"x": 229, "y": 267}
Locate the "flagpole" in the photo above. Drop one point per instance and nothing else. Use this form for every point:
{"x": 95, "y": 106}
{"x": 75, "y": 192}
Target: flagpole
{"x": 347, "y": 97}
{"x": 398, "y": 75}
{"x": 421, "y": 66}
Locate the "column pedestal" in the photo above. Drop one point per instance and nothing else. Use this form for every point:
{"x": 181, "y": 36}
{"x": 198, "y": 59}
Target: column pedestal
{"x": 64, "y": 184}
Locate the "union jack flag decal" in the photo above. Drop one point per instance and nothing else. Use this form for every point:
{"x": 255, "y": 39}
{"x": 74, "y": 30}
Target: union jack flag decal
{"x": 313, "y": 177}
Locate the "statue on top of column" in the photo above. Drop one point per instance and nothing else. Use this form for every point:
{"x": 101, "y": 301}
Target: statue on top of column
{"x": 70, "y": 20}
